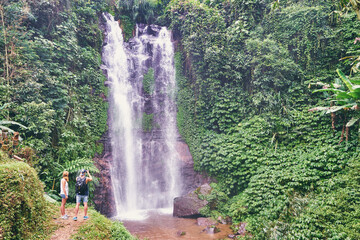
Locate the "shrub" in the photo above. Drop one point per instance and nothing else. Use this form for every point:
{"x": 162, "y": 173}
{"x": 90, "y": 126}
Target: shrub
{"x": 24, "y": 213}
{"x": 100, "y": 227}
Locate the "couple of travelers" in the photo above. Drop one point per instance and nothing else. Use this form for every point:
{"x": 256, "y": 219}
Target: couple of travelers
{"x": 82, "y": 193}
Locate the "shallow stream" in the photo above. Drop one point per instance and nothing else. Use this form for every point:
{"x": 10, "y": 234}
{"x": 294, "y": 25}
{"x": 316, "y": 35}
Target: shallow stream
{"x": 163, "y": 226}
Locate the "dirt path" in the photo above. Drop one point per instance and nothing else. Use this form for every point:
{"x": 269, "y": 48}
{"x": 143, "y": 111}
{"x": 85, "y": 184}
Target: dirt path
{"x": 68, "y": 227}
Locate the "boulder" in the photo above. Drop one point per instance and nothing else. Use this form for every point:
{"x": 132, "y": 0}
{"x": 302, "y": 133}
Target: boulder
{"x": 204, "y": 189}
{"x": 206, "y": 222}
{"x": 190, "y": 204}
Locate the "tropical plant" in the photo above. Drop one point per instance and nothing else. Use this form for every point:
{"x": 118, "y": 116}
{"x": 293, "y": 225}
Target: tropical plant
{"x": 346, "y": 96}
{"x": 6, "y": 122}
{"x": 141, "y": 11}
{"x": 74, "y": 167}
{"x": 5, "y": 130}
{"x": 243, "y": 109}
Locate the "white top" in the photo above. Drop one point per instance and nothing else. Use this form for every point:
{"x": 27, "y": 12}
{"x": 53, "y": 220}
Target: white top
{"x": 66, "y": 187}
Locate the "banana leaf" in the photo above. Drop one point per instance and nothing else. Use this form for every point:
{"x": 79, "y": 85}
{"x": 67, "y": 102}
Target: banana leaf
{"x": 2, "y": 107}
{"x": 337, "y": 108}
{"x": 355, "y": 95}
{"x": 356, "y": 82}
{"x": 352, "y": 121}
{"x": 319, "y": 109}
{"x": 343, "y": 95}
{"x": 335, "y": 90}
{"x": 10, "y": 131}
{"x": 357, "y": 90}
{"x": 345, "y": 80}
{"x": 4, "y": 122}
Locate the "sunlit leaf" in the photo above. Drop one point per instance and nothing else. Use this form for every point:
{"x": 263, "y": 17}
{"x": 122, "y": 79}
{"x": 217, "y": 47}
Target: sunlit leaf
{"x": 352, "y": 121}
{"x": 345, "y": 80}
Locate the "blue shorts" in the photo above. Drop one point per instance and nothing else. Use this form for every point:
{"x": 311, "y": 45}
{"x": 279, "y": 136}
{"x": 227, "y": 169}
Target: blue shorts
{"x": 84, "y": 198}
{"x": 62, "y": 195}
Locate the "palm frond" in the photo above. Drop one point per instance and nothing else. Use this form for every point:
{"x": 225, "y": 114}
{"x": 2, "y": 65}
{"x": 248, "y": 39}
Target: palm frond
{"x": 4, "y": 122}
{"x": 76, "y": 165}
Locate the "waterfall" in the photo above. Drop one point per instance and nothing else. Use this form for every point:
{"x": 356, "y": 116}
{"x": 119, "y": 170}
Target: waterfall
{"x": 145, "y": 171}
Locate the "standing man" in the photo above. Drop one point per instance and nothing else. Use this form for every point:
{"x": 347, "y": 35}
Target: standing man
{"x": 82, "y": 192}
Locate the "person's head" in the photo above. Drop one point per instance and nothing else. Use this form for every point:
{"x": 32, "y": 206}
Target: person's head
{"x": 66, "y": 175}
{"x": 82, "y": 172}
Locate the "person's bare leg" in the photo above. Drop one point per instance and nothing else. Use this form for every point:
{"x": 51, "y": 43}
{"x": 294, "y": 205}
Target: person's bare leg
{"x": 77, "y": 209}
{"x": 85, "y": 208}
{"x": 62, "y": 208}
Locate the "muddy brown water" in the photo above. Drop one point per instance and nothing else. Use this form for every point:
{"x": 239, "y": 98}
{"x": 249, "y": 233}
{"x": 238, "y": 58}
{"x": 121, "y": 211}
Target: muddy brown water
{"x": 160, "y": 226}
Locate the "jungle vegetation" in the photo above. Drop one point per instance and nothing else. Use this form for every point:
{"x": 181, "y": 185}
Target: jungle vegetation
{"x": 268, "y": 94}
{"x": 267, "y": 101}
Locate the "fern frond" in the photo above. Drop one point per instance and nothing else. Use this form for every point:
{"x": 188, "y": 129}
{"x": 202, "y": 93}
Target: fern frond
{"x": 76, "y": 165}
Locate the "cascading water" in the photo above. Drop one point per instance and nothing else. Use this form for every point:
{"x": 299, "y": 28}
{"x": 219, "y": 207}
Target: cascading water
{"x": 145, "y": 173}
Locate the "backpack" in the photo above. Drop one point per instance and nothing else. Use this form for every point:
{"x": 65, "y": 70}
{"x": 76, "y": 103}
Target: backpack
{"x": 80, "y": 186}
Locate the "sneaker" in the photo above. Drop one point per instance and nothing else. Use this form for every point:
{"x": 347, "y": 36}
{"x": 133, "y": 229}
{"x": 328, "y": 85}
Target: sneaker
{"x": 86, "y": 217}
{"x": 64, "y": 217}
{"x": 75, "y": 218}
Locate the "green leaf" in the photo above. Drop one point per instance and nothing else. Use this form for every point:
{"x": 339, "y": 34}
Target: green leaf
{"x": 345, "y": 80}
{"x": 355, "y": 95}
{"x": 343, "y": 95}
{"x": 352, "y": 121}
{"x": 337, "y": 108}
{"x": 335, "y": 90}
{"x": 6, "y": 104}
{"x": 4, "y": 122}
{"x": 319, "y": 109}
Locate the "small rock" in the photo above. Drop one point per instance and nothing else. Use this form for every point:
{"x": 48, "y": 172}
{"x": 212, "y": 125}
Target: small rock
{"x": 211, "y": 230}
{"x": 221, "y": 220}
{"x": 228, "y": 220}
{"x": 241, "y": 228}
{"x": 180, "y": 233}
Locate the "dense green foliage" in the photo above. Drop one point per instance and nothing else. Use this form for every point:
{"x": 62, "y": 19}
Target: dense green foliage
{"x": 99, "y": 227}
{"x": 52, "y": 81}
{"x": 243, "y": 70}
{"x": 21, "y": 201}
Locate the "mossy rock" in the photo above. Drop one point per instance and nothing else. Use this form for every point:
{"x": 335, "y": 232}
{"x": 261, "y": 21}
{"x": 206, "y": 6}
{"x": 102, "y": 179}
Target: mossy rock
{"x": 23, "y": 209}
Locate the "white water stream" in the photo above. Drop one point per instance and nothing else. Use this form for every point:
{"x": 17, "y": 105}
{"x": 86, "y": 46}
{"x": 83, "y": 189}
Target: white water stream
{"x": 145, "y": 173}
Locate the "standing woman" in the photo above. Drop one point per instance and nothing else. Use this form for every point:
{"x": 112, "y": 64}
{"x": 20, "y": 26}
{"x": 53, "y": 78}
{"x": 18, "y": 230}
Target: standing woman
{"x": 64, "y": 193}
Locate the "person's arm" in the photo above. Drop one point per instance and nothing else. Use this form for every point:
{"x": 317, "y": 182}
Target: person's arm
{"x": 63, "y": 183}
{"x": 88, "y": 179}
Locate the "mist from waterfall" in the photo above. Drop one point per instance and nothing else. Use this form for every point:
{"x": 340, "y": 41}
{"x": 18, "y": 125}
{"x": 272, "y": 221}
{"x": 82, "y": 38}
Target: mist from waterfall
{"x": 144, "y": 173}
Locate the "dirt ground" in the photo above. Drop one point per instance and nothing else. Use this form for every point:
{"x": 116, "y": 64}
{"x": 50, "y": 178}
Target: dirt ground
{"x": 68, "y": 227}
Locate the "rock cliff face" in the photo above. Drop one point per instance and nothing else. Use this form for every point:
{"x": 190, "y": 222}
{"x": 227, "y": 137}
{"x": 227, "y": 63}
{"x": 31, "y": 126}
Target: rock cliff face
{"x": 191, "y": 179}
{"x": 104, "y": 198}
